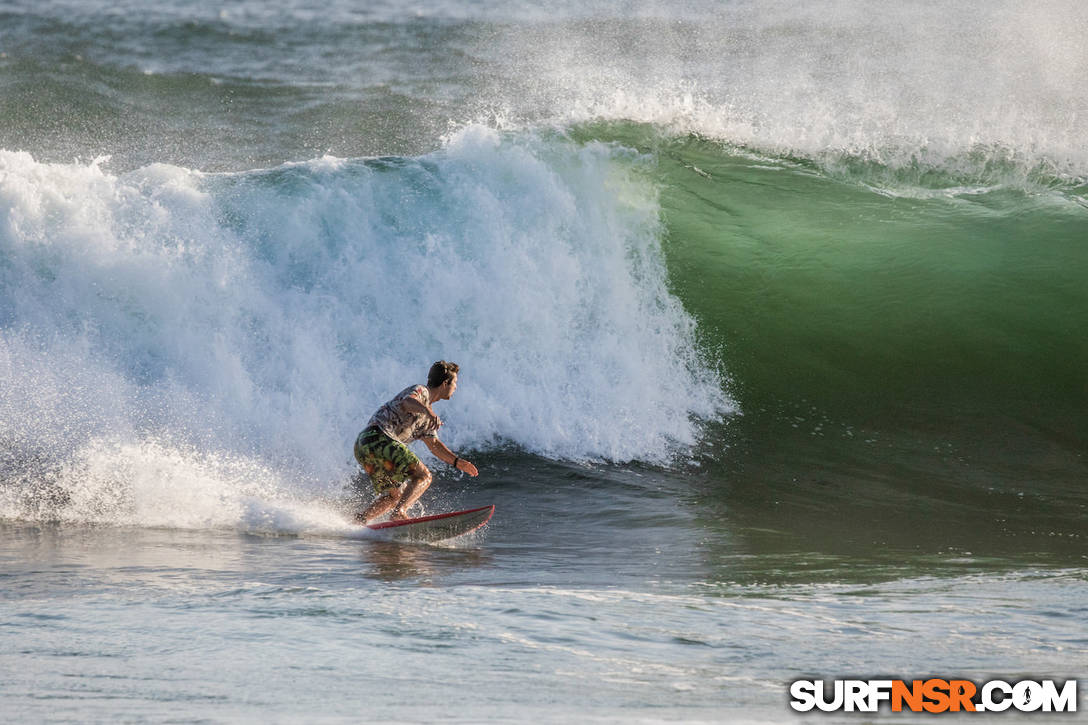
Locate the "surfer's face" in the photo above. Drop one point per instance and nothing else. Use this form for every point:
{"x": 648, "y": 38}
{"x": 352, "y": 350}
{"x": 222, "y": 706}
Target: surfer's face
{"x": 449, "y": 387}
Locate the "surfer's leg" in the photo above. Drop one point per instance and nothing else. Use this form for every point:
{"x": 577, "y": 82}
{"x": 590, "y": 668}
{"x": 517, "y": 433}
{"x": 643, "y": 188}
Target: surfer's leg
{"x": 388, "y": 463}
{"x": 421, "y": 480}
{"x": 379, "y": 507}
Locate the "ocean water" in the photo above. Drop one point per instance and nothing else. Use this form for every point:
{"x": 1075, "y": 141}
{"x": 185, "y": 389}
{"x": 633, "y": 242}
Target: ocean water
{"x": 771, "y": 317}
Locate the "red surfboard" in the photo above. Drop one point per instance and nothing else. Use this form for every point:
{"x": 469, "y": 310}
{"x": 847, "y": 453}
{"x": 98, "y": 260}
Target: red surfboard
{"x": 435, "y": 528}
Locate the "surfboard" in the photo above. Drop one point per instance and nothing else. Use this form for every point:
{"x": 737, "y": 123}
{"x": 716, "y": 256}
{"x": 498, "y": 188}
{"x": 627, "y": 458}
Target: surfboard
{"x": 439, "y": 527}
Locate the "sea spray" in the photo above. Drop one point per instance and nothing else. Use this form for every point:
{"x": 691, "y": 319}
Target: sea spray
{"x": 955, "y": 88}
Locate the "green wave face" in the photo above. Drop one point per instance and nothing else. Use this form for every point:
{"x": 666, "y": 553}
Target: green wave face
{"x": 860, "y": 287}
{"x": 907, "y": 345}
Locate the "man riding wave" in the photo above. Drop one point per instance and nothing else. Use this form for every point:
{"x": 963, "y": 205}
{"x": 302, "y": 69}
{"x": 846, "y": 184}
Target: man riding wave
{"x": 399, "y": 477}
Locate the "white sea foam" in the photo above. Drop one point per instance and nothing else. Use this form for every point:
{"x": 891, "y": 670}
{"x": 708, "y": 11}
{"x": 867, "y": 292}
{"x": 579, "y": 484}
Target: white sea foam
{"x": 182, "y": 345}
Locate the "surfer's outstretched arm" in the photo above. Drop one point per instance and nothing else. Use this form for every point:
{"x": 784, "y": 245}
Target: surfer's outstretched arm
{"x": 447, "y": 456}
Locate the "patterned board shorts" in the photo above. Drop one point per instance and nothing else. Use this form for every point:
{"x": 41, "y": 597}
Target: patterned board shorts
{"x": 387, "y": 462}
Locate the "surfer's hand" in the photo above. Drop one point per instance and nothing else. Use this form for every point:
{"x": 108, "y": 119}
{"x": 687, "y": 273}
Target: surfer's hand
{"x": 466, "y": 467}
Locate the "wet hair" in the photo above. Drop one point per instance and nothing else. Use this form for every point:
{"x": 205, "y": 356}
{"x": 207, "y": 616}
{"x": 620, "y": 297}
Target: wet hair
{"x": 441, "y": 373}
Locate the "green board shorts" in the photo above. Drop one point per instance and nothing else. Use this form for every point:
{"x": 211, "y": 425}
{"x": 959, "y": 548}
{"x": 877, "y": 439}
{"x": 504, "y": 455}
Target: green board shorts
{"x": 387, "y": 461}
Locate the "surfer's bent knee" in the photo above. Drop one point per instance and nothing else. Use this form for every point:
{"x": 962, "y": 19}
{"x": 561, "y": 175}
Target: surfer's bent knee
{"x": 420, "y": 473}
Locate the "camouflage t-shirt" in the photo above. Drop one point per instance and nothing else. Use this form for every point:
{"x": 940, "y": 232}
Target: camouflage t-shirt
{"x": 401, "y": 424}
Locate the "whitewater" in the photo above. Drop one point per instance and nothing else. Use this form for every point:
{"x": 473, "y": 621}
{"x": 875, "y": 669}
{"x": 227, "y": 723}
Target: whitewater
{"x": 249, "y": 318}
{"x": 770, "y": 319}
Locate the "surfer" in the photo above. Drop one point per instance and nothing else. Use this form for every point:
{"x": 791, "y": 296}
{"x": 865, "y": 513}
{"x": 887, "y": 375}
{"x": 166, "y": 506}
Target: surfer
{"x": 399, "y": 477}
